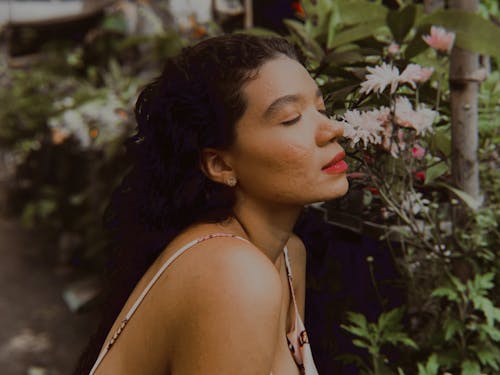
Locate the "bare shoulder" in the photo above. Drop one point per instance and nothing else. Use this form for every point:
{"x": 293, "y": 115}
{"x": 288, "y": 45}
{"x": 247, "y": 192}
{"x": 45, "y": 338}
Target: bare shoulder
{"x": 234, "y": 263}
{"x": 230, "y": 305}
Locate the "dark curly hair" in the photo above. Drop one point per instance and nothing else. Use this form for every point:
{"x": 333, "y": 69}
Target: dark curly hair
{"x": 194, "y": 104}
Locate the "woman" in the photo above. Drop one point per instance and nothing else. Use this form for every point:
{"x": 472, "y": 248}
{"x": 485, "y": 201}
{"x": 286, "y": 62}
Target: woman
{"x": 233, "y": 140}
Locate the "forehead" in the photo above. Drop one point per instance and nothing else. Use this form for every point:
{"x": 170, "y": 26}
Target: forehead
{"x": 276, "y": 78}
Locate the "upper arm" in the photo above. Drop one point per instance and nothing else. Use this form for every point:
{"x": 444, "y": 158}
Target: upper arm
{"x": 230, "y": 322}
{"x": 297, "y": 254}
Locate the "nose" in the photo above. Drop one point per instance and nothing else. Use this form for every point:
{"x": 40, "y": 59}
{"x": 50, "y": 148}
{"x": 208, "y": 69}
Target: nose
{"x": 329, "y": 131}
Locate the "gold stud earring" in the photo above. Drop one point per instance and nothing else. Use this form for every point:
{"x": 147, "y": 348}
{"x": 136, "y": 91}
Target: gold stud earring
{"x": 231, "y": 181}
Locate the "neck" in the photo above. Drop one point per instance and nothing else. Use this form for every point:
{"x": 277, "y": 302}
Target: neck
{"x": 267, "y": 226}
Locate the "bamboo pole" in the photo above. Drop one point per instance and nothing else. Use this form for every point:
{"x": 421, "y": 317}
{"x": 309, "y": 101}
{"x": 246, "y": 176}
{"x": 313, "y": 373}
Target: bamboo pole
{"x": 248, "y": 14}
{"x": 464, "y": 87}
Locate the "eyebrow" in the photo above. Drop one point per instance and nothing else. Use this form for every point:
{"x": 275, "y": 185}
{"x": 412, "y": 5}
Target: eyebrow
{"x": 284, "y": 100}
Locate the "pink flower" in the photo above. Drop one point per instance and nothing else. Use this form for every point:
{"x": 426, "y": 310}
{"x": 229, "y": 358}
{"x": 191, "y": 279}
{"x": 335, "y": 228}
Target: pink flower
{"x": 393, "y": 48}
{"x": 421, "y": 119}
{"x": 418, "y": 151}
{"x": 414, "y": 73}
{"x": 379, "y": 78}
{"x": 440, "y": 39}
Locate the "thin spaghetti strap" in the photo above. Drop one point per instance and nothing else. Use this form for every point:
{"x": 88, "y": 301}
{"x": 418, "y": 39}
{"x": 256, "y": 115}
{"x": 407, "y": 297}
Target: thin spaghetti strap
{"x": 290, "y": 277}
{"x": 146, "y": 290}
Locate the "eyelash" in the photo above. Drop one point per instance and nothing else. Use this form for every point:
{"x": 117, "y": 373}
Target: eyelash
{"x": 292, "y": 121}
{"x": 296, "y": 119}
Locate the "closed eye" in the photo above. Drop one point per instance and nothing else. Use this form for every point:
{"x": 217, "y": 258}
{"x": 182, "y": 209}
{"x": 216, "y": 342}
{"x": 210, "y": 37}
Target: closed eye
{"x": 292, "y": 121}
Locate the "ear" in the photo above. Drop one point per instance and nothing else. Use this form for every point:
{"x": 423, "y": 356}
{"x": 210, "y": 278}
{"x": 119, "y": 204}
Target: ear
{"x": 216, "y": 165}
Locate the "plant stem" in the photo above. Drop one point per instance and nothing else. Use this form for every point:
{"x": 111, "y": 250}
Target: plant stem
{"x": 375, "y": 285}
{"x": 376, "y": 369}
{"x": 438, "y": 93}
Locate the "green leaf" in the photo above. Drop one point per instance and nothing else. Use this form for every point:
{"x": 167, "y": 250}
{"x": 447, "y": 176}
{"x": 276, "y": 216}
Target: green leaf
{"x": 417, "y": 45}
{"x": 486, "y": 306}
{"x": 358, "y": 319}
{"x": 318, "y": 17}
{"x": 356, "y": 33}
{"x": 343, "y": 58}
{"x": 390, "y": 319}
{"x": 470, "y": 368}
{"x": 361, "y": 344}
{"x": 435, "y": 171}
{"x": 466, "y": 198}
{"x": 492, "y": 332}
{"x": 308, "y": 45}
{"x": 340, "y": 94}
{"x": 430, "y": 368}
{"x": 360, "y": 332}
{"x": 400, "y": 338}
{"x": 333, "y": 26}
{"x": 488, "y": 357}
{"x": 451, "y": 327}
{"x": 401, "y": 21}
{"x": 457, "y": 283}
{"x": 358, "y": 12}
{"x": 446, "y": 292}
{"x": 485, "y": 281}
{"x": 441, "y": 140}
{"x": 473, "y": 32}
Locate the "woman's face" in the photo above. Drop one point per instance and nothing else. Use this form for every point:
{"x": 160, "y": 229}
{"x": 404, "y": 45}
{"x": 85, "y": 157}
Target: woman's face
{"x": 286, "y": 149}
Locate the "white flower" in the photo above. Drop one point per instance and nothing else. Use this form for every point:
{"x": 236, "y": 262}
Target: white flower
{"x": 350, "y": 133}
{"x": 414, "y": 73}
{"x": 421, "y": 120}
{"x": 424, "y": 120}
{"x": 413, "y": 202}
{"x": 379, "y": 78}
{"x": 364, "y": 126}
{"x": 403, "y": 112}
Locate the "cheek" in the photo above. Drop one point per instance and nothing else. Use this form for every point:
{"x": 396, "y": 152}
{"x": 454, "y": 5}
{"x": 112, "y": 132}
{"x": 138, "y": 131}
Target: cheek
{"x": 279, "y": 169}
{"x": 282, "y": 158}
{"x": 294, "y": 158}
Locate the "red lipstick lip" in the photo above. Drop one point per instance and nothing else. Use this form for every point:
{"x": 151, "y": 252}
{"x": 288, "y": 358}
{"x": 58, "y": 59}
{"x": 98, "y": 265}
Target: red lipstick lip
{"x": 338, "y": 157}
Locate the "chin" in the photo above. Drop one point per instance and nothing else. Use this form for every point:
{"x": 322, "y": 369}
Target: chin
{"x": 339, "y": 190}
